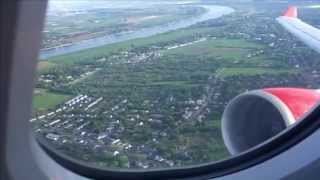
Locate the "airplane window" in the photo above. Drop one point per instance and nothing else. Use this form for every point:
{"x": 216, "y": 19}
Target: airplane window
{"x": 161, "y": 84}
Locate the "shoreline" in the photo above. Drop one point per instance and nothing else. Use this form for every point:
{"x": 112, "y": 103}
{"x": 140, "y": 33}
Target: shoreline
{"x": 213, "y": 11}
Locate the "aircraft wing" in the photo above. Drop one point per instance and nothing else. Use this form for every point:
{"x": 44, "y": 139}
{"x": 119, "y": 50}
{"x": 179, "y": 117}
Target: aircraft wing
{"x": 303, "y": 31}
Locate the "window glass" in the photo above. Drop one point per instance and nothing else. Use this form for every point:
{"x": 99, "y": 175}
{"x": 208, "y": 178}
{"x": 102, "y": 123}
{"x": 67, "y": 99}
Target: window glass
{"x": 144, "y": 84}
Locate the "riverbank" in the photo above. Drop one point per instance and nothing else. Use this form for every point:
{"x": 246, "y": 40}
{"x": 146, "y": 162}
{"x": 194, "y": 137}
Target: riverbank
{"x": 212, "y": 12}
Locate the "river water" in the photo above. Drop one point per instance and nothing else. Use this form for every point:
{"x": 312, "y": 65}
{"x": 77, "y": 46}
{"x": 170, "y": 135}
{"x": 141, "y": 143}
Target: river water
{"x": 211, "y": 13}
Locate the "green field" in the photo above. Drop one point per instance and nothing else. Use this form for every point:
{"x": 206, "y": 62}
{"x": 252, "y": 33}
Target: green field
{"x": 44, "y": 100}
{"x": 95, "y": 53}
{"x": 45, "y": 65}
{"x": 228, "y": 49}
{"x": 225, "y": 72}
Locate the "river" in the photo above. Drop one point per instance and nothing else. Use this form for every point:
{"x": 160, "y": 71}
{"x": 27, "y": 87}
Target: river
{"x": 212, "y": 11}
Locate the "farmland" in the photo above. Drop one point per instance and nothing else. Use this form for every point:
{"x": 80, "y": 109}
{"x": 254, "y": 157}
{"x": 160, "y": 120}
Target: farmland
{"x": 225, "y": 72}
{"x": 44, "y": 100}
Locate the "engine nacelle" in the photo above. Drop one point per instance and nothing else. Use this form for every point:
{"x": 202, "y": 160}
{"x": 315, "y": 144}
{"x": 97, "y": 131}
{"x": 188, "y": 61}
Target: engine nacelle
{"x": 255, "y": 116}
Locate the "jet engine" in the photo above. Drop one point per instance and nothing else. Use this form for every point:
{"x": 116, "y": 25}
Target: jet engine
{"x": 255, "y": 116}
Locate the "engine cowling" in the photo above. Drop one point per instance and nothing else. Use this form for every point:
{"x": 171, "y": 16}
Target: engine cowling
{"x": 255, "y": 116}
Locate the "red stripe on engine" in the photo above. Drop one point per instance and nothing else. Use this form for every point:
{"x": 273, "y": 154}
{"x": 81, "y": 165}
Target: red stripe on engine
{"x": 299, "y": 101}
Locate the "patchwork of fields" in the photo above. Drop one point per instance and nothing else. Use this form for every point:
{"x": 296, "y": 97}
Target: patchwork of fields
{"x": 44, "y": 100}
{"x": 230, "y": 57}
